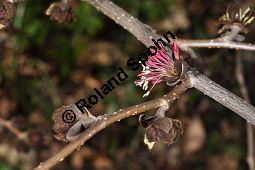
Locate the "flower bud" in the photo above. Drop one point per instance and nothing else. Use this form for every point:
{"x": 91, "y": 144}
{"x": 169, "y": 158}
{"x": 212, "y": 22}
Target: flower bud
{"x": 7, "y": 11}
{"x": 61, "y": 12}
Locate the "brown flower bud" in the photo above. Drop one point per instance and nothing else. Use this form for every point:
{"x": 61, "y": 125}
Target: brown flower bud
{"x": 60, "y": 125}
{"x": 161, "y": 129}
{"x": 236, "y": 15}
{"x": 61, "y": 12}
{"x": 69, "y": 122}
{"x": 7, "y": 10}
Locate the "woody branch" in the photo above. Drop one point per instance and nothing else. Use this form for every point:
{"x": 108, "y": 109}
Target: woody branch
{"x": 145, "y": 33}
{"x": 249, "y": 127}
{"x": 108, "y": 119}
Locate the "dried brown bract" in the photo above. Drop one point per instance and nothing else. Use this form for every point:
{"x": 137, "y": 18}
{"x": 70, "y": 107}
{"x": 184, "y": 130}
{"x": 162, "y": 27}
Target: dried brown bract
{"x": 7, "y": 11}
{"x": 61, "y": 127}
{"x": 236, "y": 15}
{"x": 61, "y": 12}
{"x": 162, "y": 129}
{"x": 69, "y": 122}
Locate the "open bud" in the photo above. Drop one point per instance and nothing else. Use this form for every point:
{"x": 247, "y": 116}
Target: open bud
{"x": 236, "y": 15}
{"x": 161, "y": 67}
{"x": 61, "y": 12}
{"x": 162, "y": 129}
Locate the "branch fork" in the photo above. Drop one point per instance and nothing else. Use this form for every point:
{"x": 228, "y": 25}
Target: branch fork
{"x": 159, "y": 127}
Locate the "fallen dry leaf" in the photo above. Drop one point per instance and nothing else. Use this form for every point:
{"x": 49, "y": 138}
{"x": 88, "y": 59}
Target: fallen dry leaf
{"x": 194, "y": 137}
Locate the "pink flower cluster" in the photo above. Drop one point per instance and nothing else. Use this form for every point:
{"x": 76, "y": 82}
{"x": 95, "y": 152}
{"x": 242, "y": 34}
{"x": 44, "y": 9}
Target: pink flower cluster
{"x": 157, "y": 67}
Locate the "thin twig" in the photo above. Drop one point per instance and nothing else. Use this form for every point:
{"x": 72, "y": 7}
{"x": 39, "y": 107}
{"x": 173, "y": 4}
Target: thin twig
{"x": 229, "y": 37}
{"x": 23, "y": 136}
{"x": 249, "y": 127}
{"x": 215, "y": 43}
{"x": 108, "y": 119}
{"x": 226, "y": 41}
{"x": 145, "y": 33}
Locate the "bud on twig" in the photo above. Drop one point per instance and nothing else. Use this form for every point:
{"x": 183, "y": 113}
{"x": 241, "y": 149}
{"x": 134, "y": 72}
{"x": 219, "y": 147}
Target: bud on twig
{"x": 236, "y": 15}
{"x": 69, "y": 121}
{"x": 61, "y": 12}
{"x": 160, "y": 128}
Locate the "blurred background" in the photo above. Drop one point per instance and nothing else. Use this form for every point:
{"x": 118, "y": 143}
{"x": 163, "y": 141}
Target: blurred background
{"x": 44, "y": 65}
